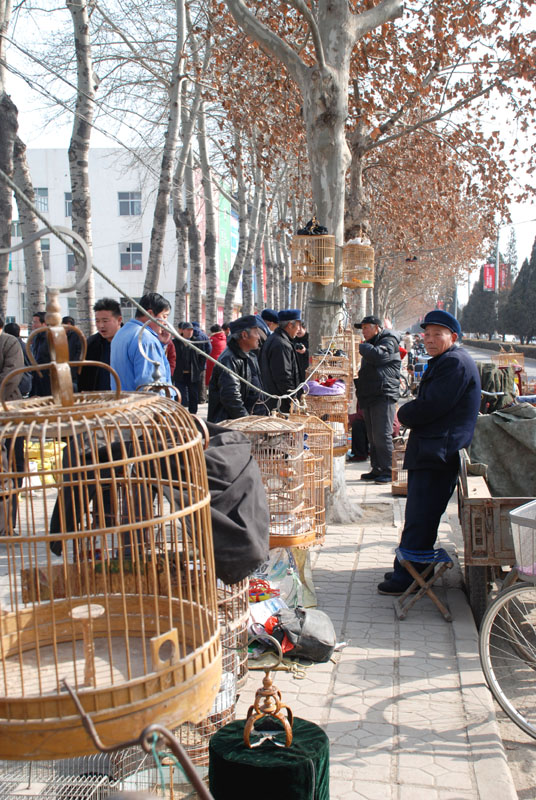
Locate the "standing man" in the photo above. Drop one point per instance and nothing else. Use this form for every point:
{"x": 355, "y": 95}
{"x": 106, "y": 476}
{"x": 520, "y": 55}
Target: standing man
{"x": 280, "y": 371}
{"x": 12, "y": 454}
{"x": 228, "y": 397}
{"x": 108, "y": 320}
{"x": 203, "y": 343}
{"x": 270, "y": 318}
{"x": 442, "y": 419}
{"x": 125, "y": 355}
{"x": 187, "y": 369}
{"x": 378, "y": 388}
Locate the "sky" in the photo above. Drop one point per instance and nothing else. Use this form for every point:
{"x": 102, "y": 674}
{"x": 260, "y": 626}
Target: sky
{"x": 36, "y": 134}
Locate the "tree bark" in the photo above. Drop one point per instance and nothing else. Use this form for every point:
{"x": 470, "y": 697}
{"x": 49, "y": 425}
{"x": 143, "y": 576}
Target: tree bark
{"x": 240, "y": 257}
{"x": 160, "y": 216}
{"x": 180, "y": 219}
{"x": 29, "y": 223}
{"x": 79, "y": 155}
{"x": 193, "y": 241}
{"x": 211, "y": 288}
{"x": 8, "y": 128}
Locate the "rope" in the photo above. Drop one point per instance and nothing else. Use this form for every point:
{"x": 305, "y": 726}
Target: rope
{"x": 167, "y": 325}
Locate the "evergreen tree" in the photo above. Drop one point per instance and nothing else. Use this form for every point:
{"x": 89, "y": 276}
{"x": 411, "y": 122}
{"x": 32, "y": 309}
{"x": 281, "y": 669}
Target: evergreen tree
{"x": 511, "y": 253}
{"x": 521, "y": 317}
{"x": 480, "y": 313}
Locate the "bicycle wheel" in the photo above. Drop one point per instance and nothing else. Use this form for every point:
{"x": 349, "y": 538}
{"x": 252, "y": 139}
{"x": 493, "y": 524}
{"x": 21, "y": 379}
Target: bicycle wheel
{"x": 508, "y": 653}
{"x": 404, "y": 386}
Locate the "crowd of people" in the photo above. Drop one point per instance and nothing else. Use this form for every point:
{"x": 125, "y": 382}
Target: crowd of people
{"x": 261, "y": 361}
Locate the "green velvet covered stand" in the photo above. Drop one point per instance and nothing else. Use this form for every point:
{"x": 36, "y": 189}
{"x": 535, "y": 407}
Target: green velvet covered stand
{"x": 269, "y": 772}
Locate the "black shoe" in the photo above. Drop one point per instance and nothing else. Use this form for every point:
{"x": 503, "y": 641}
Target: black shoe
{"x": 379, "y": 479}
{"x": 392, "y": 588}
{"x": 369, "y": 476}
{"x": 388, "y": 576}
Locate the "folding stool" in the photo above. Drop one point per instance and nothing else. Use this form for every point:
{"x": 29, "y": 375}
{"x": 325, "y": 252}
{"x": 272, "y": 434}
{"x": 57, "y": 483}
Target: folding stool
{"x": 424, "y": 580}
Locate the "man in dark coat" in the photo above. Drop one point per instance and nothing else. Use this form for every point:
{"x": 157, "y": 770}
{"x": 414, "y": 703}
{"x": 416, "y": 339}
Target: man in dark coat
{"x": 228, "y": 397}
{"x": 203, "y": 342}
{"x": 378, "y": 388}
{"x": 108, "y": 320}
{"x": 280, "y": 371}
{"x": 442, "y": 419}
{"x": 188, "y": 368}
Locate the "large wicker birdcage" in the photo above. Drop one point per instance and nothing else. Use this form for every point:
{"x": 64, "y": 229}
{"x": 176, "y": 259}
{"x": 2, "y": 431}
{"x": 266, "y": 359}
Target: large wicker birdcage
{"x": 319, "y": 440}
{"x": 107, "y": 578}
{"x": 357, "y": 266}
{"x": 313, "y": 259}
{"x": 326, "y": 366}
{"x": 233, "y": 612}
{"x": 278, "y": 447}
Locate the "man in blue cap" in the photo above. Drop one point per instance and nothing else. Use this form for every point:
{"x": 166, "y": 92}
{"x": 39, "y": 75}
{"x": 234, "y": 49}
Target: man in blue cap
{"x": 442, "y": 419}
{"x": 229, "y": 397}
{"x": 280, "y": 370}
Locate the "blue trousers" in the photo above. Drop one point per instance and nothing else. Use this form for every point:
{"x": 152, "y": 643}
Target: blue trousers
{"x": 429, "y": 492}
{"x": 189, "y": 394}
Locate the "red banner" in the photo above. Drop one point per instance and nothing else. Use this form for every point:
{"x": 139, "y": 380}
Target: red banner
{"x": 505, "y": 279}
{"x": 489, "y": 277}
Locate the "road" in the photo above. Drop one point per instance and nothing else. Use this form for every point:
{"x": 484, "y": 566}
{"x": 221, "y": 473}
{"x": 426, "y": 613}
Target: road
{"x": 481, "y": 354}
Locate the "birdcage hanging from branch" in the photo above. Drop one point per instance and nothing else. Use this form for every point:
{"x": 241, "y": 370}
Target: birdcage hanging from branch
{"x": 313, "y": 259}
{"x": 357, "y": 265}
{"x": 109, "y": 578}
{"x": 277, "y": 446}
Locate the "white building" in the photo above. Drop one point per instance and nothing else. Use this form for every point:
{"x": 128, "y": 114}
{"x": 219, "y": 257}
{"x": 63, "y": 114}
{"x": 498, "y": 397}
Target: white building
{"x": 122, "y": 203}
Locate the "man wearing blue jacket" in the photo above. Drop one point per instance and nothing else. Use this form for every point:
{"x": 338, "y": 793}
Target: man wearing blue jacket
{"x": 442, "y": 419}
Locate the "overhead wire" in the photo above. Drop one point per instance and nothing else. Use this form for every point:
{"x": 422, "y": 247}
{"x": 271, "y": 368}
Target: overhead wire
{"x": 164, "y": 324}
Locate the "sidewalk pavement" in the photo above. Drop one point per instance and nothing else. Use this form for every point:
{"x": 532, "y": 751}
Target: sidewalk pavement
{"x": 404, "y": 704}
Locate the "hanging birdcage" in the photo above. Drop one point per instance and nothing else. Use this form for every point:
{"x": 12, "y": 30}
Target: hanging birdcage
{"x": 346, "y": 342}
{"x": 233, "y": 612}
{"x": 108, "y": 576}
{"x": 331, "y": 368}
{"x": 357, "y": 266}
{"x": 332, "y": 409}
{"x": 313, "y": 259}
{"x": 277, "y": 446}
{"x": 319, "y": 440}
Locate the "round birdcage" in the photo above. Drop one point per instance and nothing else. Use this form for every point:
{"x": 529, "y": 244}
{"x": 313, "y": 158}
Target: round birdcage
{"x": 357, "y": 266}
{"x": 233, "y": 612}
{"x": 313, "y": 259}
{"x": 319, "y": 440}
{"x": 108, "y": 578}
{"x": 277, "y": 446}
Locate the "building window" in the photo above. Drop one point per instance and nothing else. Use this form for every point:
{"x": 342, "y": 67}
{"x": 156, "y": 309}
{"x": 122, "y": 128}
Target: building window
{"x": 71, "y": 266}
{"x": 68, "y": 204}
{"x": 10, "y": 319}
{"x": 129, "y": 204}
{"x": 130, "y": 255}
{"x": 71, "y": 307}
{"x": 128, "y": 309}
{"x": 41, "y": 199}
{"x": 45, "y": 252}
{"x": 15, "y": 228}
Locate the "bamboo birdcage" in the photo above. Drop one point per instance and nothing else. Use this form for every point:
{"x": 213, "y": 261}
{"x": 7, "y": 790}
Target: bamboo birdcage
{"x": 357, "y": 266}
{"x": 328, "y": 366}
{"x": 346, "y": 341}
{"x": 108, "y": 577}
{"x": 332, "y": 409}
{"x": 319, "y": 440}
{"x": 504, "y": 359}
{"x": 277, "y": 446}
{"x": 313, "y": 259}
{"x": 399, "y": 485}
{"x": 233, "y": 612}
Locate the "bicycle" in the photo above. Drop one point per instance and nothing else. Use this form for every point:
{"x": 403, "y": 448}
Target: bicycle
{"x": 507, "y": 640}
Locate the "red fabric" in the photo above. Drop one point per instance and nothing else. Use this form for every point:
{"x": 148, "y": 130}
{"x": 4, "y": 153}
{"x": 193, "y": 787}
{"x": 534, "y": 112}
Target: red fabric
{"x": 171, "y": 355}
{"x": 219, "y": 343}
{"x": 403, "y": 352}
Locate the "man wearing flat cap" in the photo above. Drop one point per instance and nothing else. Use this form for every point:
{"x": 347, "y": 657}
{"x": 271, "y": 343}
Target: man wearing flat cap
{"x": 442, "y": 419}
{"x": 378, "y": 388}
{"x": 280, "y": 370}
{"x": 228, "y": 397}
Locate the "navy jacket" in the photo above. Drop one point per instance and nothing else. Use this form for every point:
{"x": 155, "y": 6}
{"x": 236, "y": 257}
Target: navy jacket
{"x": 443, "y": 416}
{"x": 280, "y": 371}
{"x": 379, "y": 373}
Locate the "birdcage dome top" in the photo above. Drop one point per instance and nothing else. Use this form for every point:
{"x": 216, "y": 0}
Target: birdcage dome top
{"x": 265, "y": 425}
